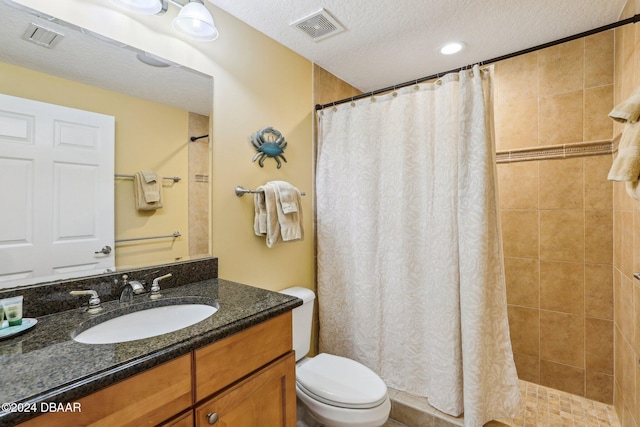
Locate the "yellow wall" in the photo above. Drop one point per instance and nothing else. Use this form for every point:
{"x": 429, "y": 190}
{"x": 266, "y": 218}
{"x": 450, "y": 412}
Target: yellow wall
{"x": 257, "y": 82}
{"x": 144, "y": 130}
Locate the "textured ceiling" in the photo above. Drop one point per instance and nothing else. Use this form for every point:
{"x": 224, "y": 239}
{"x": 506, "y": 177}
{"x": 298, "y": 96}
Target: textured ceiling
{"x": 85, "y": 58}
{"x": 389, "y": 42}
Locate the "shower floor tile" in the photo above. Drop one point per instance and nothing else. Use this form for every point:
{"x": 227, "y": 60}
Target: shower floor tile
{"x": 543, "y": 406}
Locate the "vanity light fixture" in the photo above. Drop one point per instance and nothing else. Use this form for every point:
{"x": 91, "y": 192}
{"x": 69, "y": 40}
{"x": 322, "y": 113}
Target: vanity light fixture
{"x": 451, "y": 48}
{"x": 193, "y": 20}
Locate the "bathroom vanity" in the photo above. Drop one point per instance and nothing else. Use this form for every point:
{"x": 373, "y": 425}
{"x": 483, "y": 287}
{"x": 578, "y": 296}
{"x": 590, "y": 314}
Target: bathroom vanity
{"x": 237, "y": 366}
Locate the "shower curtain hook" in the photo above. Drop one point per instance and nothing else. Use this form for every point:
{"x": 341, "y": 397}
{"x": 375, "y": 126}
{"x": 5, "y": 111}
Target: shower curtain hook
{"x": 353, "y": 104}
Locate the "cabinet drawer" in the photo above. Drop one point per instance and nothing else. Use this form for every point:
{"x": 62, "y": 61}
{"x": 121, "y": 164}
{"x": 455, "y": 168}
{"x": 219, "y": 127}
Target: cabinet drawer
{"x": 148, "y": 398}
{"x": 266, "y": 398}
{"x": 224, "y": 362}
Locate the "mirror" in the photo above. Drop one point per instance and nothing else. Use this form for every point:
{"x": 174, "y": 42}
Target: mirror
{"x": 165, "y": 90}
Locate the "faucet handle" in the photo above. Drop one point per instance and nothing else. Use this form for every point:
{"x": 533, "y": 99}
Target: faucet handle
{"x": 94, "y": 300}
{"x": 155, "y": 287}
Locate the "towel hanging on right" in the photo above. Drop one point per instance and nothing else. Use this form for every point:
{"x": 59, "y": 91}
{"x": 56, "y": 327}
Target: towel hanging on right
{"x": 626, "y": 166}
{"x": 278, "y": 213}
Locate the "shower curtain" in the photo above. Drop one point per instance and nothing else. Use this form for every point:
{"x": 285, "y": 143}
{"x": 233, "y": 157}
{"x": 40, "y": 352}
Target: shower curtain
{"x": 410, "y": 267}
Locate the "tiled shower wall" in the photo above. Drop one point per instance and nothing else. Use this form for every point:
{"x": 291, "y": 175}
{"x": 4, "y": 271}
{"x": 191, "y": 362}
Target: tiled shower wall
{"x": 626, "y": 247}
{"x": 557, "y": 215}
{"x": 199, "y": 154}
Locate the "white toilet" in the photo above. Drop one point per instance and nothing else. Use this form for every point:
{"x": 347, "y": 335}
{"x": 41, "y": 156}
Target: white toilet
{"x": 333, "y": 391}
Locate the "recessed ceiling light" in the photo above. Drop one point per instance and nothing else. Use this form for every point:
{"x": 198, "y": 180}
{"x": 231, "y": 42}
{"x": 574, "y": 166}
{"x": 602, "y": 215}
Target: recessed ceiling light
{"x": 451, "y": 48}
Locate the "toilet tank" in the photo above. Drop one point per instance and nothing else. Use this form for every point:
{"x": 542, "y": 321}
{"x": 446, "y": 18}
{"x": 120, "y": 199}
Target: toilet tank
{"x": 302, "y": 320}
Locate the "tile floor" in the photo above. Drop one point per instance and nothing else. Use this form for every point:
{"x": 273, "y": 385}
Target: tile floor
{"x": 543, "y": 407}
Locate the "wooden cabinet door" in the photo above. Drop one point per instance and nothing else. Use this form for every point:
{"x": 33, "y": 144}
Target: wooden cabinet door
{"x": 266, "y": 398}
{"x": 222, "y": 363}
{"x": 146, "y": 399}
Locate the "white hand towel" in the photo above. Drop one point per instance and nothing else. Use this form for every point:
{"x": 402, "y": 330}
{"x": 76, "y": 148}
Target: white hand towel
{"x": 148, "y": 194}
{"x": 272, "y": 225}
{"x": 260, "y": 219}
{"x": 289, "y": 196}
{"x": 626, "y": 166}
{"x": 627, "y": 111}
{"x": 290, "y": 223}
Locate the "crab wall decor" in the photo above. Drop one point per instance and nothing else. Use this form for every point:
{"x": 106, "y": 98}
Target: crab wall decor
{"x": 269, "y": 142}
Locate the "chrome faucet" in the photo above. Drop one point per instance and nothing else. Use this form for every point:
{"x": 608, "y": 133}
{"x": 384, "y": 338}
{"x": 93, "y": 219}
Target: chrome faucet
{"x": 129, "y": 288}
{"x": 155, "y": 287}
{"x": 94, "y": 301}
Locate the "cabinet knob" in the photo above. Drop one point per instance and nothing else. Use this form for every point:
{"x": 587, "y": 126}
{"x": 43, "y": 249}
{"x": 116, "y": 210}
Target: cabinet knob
{"x": 212, "y": 417}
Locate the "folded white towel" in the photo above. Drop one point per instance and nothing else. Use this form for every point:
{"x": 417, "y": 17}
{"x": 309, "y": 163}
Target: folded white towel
{"x": 271, "y": 220}
{"x": 626, "y": 166}
{"x": 290, "y": 223}
{"x": 147, "y": 191}
{"x": 260, "y": 218}
{"x": 272, "y": 233}
{"x": 629, "y": 110}
{"x": 288, "y": 196}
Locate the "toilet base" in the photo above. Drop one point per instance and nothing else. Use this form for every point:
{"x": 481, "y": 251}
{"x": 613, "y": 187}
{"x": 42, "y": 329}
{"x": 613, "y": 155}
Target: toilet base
{"x": 303, "y": 417}
{"x": 311, "y": 413}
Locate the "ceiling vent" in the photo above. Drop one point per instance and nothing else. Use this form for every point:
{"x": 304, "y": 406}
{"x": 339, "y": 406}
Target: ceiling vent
{"x": 319, "y": 25}
{"x": 42, "y": 36}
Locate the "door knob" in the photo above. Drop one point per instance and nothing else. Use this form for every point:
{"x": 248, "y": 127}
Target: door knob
{"x": 105, "y": 250}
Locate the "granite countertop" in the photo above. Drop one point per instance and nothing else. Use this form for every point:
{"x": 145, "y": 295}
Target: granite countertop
{"x": 46, "y": 365}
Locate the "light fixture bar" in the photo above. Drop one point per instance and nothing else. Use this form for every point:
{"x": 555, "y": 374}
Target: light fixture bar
{"x": 193, "y": 20}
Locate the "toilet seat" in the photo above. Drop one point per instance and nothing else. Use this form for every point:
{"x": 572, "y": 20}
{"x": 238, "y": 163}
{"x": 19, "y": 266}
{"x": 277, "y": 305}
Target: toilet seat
{"x": 340, "y": 382}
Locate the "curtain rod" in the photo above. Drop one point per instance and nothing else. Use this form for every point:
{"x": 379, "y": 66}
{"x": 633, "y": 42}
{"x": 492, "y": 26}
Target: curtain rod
{"x": 632, "y": 20}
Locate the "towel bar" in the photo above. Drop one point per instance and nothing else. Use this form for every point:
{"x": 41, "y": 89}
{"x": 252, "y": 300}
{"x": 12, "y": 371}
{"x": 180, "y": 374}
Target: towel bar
{"x": 172, "y": 178}
{"x": 241, "y": 191}
{"x": 173, "y": 235}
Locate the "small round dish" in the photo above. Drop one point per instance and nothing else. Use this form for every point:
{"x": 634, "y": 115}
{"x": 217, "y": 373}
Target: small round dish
{"x": 11, "y": 331}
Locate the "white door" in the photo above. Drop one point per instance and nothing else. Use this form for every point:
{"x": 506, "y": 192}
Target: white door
{"x": 56, "y": 192}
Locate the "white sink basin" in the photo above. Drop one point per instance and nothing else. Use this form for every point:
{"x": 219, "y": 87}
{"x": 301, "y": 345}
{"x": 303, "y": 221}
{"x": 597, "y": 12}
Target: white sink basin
{"x": 145, "y": 323}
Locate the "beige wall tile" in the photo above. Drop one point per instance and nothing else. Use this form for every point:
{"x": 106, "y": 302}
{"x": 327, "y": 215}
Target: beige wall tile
{"x": 561, "y": 68}
{"x": 628, "y": 380}
{"x": 522, "y": 279}
{"x": 524, "y": 329}
{"x": 520, "y": 233}
{"x": 518, "y": 185}
{"x": 598, "y": 59}
{"x": 624, "y": 307}
{"x": 562, "y": 377}
{"x": 635, "y": 342}
{"x": 598, "y": 291}
{"x": 598, "y": 102}
{"x": 561, "y": 184}
{"x": 562, "y": 286}
{"x": 528, "y": 367}
{"x": 599, "y": 345}
{"x": 561, "y": 338}
{"x": 626, "y": 254}
{"x": 599, "y": 387}
{"x": 328, "y": 88}
{"x": 561, "y": 118}
{"x": 516, "y": 124}
{"x": 512, "y": 73}
{"x": 562, "y": 235}
{"x": 617, "y": 237}
{"x": 598, "y": 236}
{"x": 598, "y": 191}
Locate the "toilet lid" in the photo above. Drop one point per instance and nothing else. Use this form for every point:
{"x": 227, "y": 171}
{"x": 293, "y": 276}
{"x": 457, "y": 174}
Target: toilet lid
{"x": 341, "y": 382}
